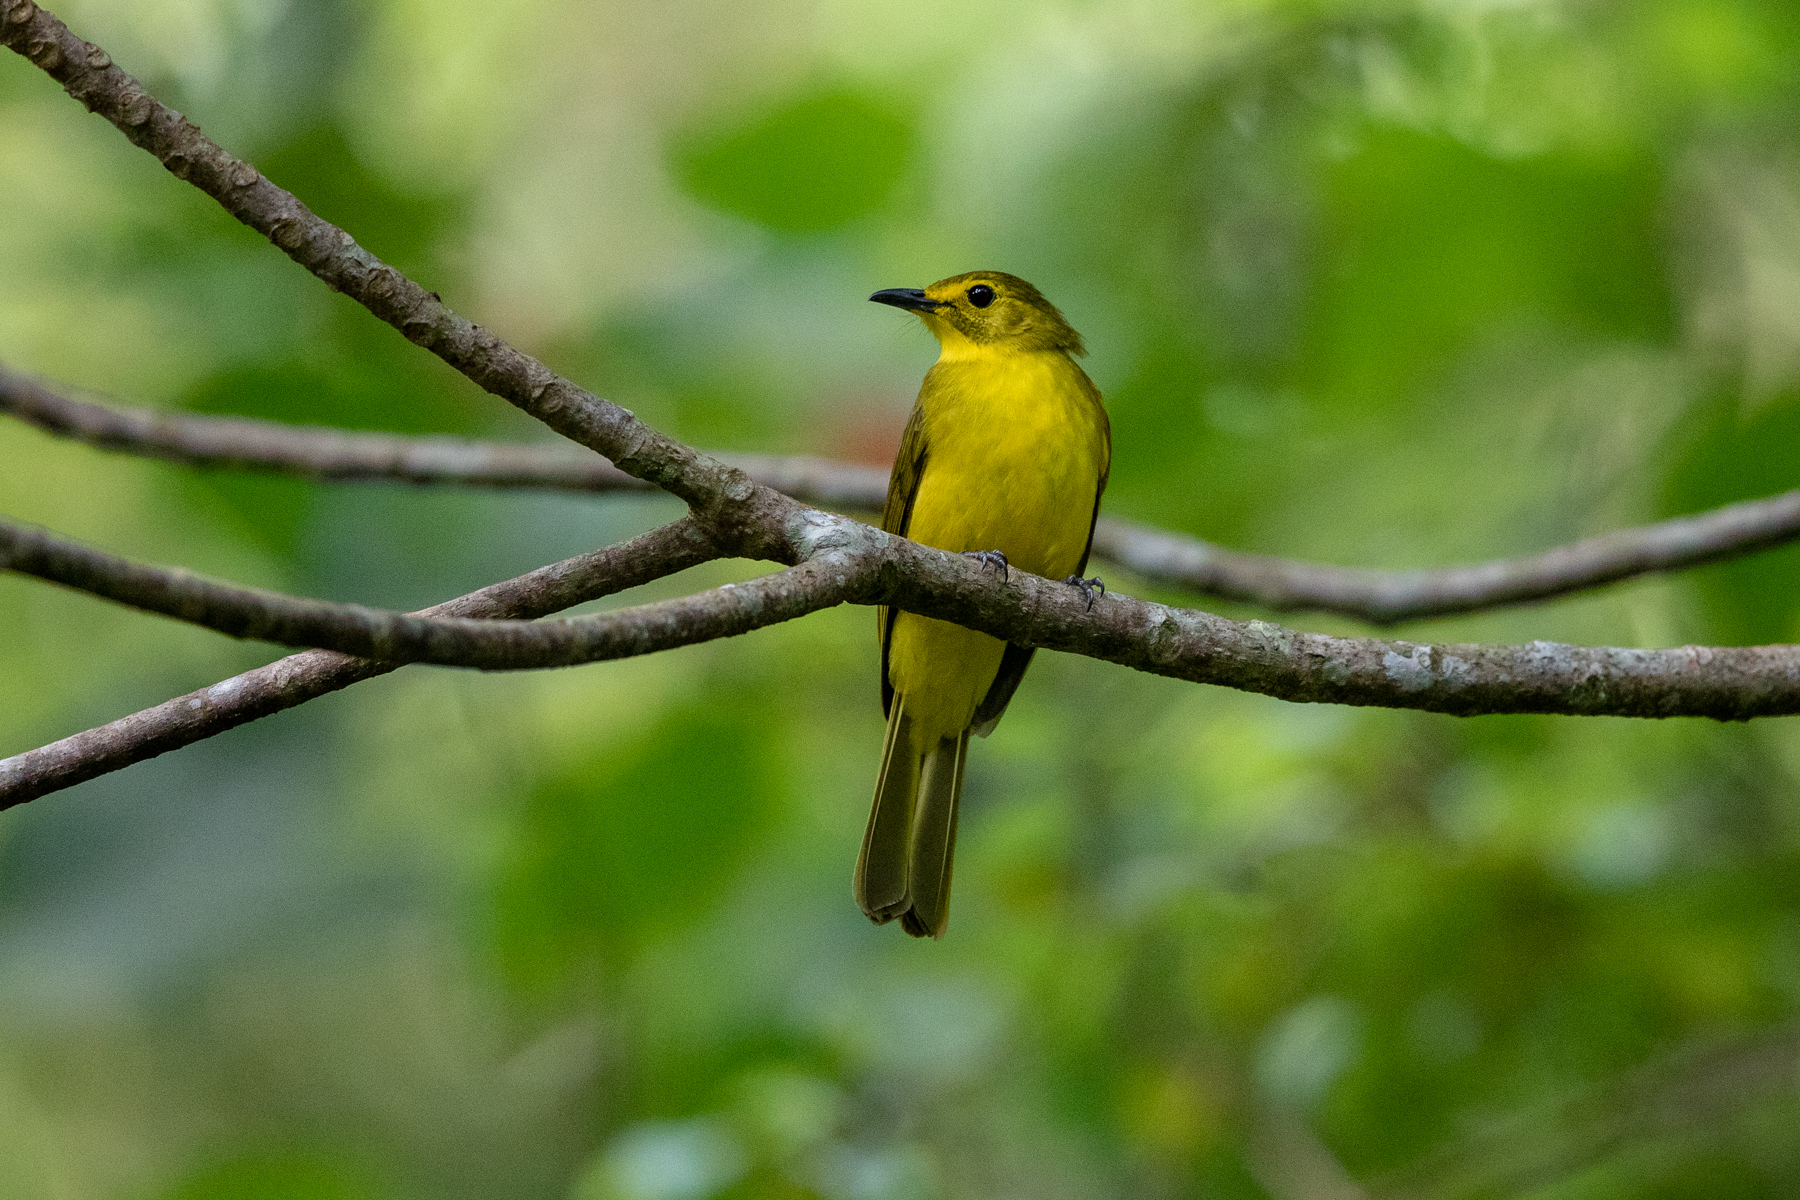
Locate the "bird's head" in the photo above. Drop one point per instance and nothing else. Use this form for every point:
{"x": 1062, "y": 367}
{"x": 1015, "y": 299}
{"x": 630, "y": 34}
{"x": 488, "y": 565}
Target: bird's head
{"x": 986, "y": 311}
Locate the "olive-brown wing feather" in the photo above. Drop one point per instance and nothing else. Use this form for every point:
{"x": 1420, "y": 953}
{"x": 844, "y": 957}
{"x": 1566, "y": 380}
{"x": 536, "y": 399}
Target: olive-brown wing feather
{"x": 896, "y": 517}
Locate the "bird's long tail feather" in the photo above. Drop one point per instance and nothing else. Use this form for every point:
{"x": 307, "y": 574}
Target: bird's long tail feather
{"x": 881, "y": 868}
{"x": 934, "y": 838}
{"x": 905, "y": 866}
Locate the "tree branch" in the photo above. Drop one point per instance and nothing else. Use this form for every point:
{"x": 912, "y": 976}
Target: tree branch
{"x": 483, "y": 643}
{"x": 840, "y": 559}
{"x": 313, "y": 452}
{"x": 1281, "y": 584}
{"x": 1389, "y": 597}
{"x": 849, "y": 561}
{"x": 298, "y": 678}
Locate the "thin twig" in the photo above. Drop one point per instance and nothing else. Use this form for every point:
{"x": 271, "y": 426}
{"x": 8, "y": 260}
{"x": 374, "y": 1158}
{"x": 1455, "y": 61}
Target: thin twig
{"x": 301, "y": 677}
{"x": 1170, "y": 559}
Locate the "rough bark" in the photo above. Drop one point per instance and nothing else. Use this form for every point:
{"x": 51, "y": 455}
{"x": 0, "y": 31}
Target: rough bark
{"x": 850, "y": 562}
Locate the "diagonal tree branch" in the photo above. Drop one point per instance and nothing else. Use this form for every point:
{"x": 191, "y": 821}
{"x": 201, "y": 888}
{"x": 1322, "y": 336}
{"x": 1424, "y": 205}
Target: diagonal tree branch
{"x": 846, "y": 561}
{"x": 737, "y": 509}
{"x": 298, "y": 678}
{"x": 1281, "y": 584}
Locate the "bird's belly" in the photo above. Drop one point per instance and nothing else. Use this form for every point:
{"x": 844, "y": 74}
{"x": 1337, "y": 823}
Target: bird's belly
{"x": 1009, "y": 492}
{"x": 1034, "y": 508}
{"x": 941, "y": 672}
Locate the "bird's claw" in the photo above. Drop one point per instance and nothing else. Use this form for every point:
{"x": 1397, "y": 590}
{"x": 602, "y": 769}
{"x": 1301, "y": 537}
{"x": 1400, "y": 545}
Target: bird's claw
{"x": 1088, "y": 587}
{"x": 989, "y": 558}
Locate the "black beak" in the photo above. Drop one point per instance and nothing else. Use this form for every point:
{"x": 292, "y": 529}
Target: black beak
{"x": 909, "y": 298}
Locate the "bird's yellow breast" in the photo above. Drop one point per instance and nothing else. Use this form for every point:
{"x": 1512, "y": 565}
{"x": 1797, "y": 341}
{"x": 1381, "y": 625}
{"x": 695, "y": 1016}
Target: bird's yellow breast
{"x": 1015, "y": 448}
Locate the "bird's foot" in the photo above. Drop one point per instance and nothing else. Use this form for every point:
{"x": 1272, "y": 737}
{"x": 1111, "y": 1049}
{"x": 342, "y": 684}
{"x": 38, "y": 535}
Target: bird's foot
{"x": 1088, "y": 587}
{"x": 989, "y": 558}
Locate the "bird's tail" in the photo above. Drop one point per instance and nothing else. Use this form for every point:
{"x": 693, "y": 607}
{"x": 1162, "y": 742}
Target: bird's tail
{"x": 904, "y": 868}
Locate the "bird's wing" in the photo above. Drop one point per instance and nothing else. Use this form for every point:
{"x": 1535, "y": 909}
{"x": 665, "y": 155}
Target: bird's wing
{"x": 1099, "y": 487}
{"x": 896, "y": 517}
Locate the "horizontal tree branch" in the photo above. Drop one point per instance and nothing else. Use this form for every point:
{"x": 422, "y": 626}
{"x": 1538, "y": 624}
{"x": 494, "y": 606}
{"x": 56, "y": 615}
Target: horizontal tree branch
{"x": 483, "y": 643}
{"x": 298, "y": 678}
{"x": 315, "y": 452}
{"x": 848, "y": 561}
{"x": 1389, "y": 597}
{"x": 1281, "y": 584}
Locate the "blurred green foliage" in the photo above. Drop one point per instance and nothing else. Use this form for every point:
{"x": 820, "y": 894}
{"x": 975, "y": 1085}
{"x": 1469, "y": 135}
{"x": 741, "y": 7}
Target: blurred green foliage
{"x": 1380, "y": 282}
{"x": 277, "y": 1177}
{"x": 618, "y": 851}
{"x": 813, "y": 164}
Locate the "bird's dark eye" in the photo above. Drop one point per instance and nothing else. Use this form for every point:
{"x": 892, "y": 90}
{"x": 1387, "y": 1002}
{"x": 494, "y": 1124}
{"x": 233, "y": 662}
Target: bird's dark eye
{"x": 981, "y": 295}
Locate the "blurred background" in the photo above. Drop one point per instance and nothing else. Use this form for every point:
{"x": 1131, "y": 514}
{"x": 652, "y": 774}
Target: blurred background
{"x": 1377, "y": 282}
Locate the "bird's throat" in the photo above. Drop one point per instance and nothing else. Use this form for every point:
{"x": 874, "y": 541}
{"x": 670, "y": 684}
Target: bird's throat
{"x": 956, "y": 346}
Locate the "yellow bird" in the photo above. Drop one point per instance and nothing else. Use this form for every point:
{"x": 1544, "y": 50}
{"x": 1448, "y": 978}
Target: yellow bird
{"x": 1004, "y": 458}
